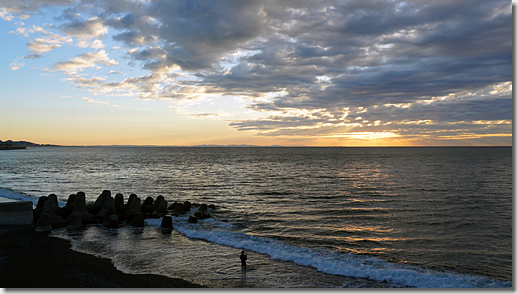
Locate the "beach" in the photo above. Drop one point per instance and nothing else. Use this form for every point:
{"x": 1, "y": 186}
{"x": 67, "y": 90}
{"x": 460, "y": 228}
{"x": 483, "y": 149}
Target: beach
{"x": 35, "y": 260}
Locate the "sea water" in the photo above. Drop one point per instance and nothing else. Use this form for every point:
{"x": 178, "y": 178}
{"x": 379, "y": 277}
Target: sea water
{"x": 306, "y": 217}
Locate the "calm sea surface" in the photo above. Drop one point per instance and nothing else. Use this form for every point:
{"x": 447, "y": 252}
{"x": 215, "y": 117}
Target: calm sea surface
{"x": 307, "y": 217}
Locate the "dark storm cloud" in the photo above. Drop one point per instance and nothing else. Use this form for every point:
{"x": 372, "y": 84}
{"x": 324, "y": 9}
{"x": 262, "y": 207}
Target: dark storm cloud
{"x": 376, "y": 53}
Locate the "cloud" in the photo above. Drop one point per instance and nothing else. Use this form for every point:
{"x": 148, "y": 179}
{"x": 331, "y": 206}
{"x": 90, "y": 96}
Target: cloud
{"x": 184, "y": 111}
{"x": 10, "y": 9}
{"x": 85, "y": 60}
{"x": 40, "y": 45}
{"x": 5, "y": 15}
{"x": 95, "y": 44}
{"x": 481, "y": 113}
{"x": 107, "y": 103}
{"x": 88, "y": 29}
{"x": 301, "y": 66}
{"x": 16, "y": 65}
{"x": 47, "y": 42}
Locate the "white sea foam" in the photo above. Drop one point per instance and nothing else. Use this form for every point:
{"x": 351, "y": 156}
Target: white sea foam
{"x": 153, "y": 221}
{"x": 333, "y": 262}
{"x": 19, "y": 196}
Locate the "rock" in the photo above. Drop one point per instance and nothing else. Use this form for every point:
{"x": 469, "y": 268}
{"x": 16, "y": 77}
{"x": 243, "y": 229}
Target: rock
{"x": 167, "y": 222}
{"x": 44, "y": 223}
{"x": 138, "y": 220}
{"x": 203, "y": 207}
{"x": 192, "y": 219}
{"x": 111, "y": 221}
{"x": 74, "y": 222}
{"x": 212, "y": 206}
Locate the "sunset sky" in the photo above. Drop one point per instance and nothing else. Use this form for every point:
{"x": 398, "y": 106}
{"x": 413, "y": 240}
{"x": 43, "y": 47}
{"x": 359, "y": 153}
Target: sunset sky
{"x": 315, "y": 73}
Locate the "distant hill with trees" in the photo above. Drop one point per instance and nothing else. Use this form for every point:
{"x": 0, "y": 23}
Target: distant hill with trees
{"x": 6, "y": 145}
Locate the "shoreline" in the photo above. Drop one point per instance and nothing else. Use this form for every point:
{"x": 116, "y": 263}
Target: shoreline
{"x": 31, "y": 260}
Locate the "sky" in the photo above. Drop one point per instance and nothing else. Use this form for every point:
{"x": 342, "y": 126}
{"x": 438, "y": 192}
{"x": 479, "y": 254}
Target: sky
{"x": 291, "y": 73}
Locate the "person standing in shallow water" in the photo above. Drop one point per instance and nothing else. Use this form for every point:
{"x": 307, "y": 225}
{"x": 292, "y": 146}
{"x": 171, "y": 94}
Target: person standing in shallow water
{"x": 243, "y": 260}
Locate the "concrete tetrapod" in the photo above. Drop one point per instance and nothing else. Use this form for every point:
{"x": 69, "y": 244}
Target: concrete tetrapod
{"x": 118, "y": 202}
{"x": 111, "y": 221}
{"x": 161, "y": 208}
{"x": 138, "y": 220}
{"x": 69, "y": 206}
{"x": 97, "y": 205}
{"x": 75, "y": 222}
{"x": 80, "y": 209}
{"x": 44, "y": 223}
{"x": 107, "y": 209}
{"x": 192, "y": 219}
{"x": 39, "y": 207}
{"x": 167, "y": 222}
{"x": 133, "y": 208}
{"x": 50, "y": 208}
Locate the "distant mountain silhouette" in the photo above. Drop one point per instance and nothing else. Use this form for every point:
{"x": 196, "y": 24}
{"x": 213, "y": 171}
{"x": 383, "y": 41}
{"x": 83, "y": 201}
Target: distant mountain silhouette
{"x": 22, "y": 143}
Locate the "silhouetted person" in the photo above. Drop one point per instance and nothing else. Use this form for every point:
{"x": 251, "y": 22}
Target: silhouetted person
{"x": 243, "y": 260}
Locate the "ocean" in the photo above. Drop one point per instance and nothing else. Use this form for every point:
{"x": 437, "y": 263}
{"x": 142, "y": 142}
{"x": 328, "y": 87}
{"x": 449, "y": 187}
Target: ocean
{"x": 425, "y": 217}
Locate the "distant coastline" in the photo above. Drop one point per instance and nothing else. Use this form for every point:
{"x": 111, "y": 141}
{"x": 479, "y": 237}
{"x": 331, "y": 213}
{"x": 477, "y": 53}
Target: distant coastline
{"x": 10, "y": 145}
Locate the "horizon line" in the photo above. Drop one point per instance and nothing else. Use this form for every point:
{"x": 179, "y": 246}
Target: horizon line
{"x": 31, "y": 144}
{"x": 285, "y": 146}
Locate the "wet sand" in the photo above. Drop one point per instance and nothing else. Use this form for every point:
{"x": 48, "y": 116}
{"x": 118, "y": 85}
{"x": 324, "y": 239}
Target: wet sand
{"x": 35, "y": 260}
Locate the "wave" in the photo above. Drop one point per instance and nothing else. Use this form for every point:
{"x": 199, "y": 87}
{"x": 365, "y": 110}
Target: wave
{"x": 323, "y": 259}
{"x": 20, "y": 196}
{"x": 332, "y": 262}
{"x": 15, "y": 195}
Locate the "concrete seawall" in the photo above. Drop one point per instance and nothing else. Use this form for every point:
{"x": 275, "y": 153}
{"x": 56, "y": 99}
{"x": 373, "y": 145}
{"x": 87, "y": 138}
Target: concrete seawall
{"x": 16, "y": 213}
